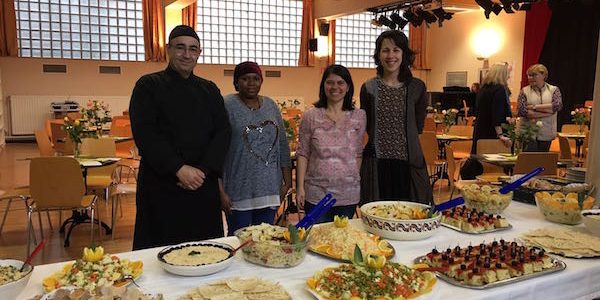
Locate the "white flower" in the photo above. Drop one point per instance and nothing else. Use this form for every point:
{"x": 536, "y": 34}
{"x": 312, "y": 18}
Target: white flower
{"x": 444, "y": 112}
{"x": 539, "y": 124}
{"x": 572, "y": 113}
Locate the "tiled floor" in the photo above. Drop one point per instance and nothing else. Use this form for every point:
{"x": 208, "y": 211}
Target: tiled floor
{"x": 14, "y": 171}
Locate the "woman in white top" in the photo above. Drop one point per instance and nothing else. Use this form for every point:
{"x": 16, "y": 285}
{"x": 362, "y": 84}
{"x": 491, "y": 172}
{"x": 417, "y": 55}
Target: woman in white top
{"x": 540, "y": 101}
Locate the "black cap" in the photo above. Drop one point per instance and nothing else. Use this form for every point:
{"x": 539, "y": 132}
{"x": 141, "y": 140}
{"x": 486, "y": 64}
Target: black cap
{"x": 183, "y": 30}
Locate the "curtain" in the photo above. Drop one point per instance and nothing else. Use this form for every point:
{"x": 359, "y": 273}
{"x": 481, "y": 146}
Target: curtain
{"x": 331, "y": 43}
{"x": 189, "y": 15}
{"x": 153, "y": 14}
{"x": 8, "y": 28}
{"x": 536, "y": 27}
{"x": 570, "y": 52}
{"x": 306, "y": 57}
{"x": 417, "y": 42}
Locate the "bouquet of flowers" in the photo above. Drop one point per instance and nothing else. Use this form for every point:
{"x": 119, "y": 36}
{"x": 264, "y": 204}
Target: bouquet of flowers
{"x": 76, "y": 131}
{"x": 449, "y": 118}
{"x": 581, "y": 116}
{"x": 521, "y": 133}
{"x": 96, "y": 113}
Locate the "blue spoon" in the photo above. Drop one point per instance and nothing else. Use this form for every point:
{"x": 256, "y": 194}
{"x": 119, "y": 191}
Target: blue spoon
{"x": 322, "y": 207}
{"x": 517, "y": 183}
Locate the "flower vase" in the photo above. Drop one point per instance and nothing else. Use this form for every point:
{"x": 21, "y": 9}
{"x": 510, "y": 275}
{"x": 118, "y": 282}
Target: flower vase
{"x": 581, "y": 128}
{"x": 517, "y": 148}
{"x": 447, "y": 129}
{"x": 76, "y": 150}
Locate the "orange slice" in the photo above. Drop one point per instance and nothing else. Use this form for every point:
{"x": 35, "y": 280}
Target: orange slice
{"x": 385, "y": 248}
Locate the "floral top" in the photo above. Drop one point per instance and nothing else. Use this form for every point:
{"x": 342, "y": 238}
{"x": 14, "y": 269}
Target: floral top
{"x": 332, "y": 150}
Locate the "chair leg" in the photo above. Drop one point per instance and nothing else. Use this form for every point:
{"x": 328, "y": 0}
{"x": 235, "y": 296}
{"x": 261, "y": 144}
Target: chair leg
{"x": 49, "y": 221}
{"x": 5, "y": 215}
{"x": 114, "y": 214}
{"x": 39, "y": 213}
{"x": 92, "y": 224}
{"x": 29, "y": 230}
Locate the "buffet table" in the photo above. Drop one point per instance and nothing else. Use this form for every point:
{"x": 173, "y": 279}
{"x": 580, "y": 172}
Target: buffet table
{"x": 578, "y": 281}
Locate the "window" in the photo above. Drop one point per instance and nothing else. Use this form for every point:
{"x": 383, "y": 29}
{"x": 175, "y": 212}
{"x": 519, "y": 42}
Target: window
{"x": 80, "y": 29}
{"x": 264, "y": 31}
{"x": 355, "y": 40}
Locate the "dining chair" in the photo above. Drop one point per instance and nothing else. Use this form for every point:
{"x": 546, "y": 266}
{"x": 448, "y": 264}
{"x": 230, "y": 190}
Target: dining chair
{"x": 462, "y": 149}
{"x": 44, "y": 144}
{"x": 573, "y": 128}
{"x": 99, "y": 178}
{"x": 62, "y": 143}
{"x": 491, "y": 146}
{"x": 565, "y": 149}
{"x": 527, "y": 161}
{"x": 429, "y": 124}
{"x": 435, "y": 166}
{"x": 51, "y": 192}
{"x": 121, "y": 186}
{"x": 451, "y": 168}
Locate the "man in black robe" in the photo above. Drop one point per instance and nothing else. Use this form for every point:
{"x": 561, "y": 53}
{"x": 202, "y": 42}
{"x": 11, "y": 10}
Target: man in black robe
{"x": 182, "y": 131}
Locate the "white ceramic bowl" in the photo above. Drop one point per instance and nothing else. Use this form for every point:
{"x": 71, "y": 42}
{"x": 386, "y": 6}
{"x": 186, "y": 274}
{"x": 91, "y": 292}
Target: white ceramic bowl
{"x": 397, "y": 229}
{"x": 591, "y": 220}
{"x": 12, "y": 289}
{"x": 197, "y": 270}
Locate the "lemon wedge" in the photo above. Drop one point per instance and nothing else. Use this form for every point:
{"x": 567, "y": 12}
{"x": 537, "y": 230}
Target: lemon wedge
{"x": 93, "y": 254}
{"x": 376, "y": 261}
{"x": 340, "y": 222}
{"x": 385, "y": 248}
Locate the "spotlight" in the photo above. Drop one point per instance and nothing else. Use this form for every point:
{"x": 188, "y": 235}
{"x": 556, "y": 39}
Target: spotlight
{"x": 442, "y": 15}
{"x": 506, "y": 6}
{"x": 399, "y": 20}
{"x": 487, "y": 6}
{"x": 496, "y": 8}
{"x": 427, "y": 16}
{"x": 515, "y": 6}
{"x": 414, "y": 19}
{"x": 525, "y": 6}
{"x": 383, "y": 20}
{"x": 375, "y": 22}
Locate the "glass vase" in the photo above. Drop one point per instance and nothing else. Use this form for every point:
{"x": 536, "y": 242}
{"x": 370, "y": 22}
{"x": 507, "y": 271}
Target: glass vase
{"x": 581, "y": 128}
{"x": 517, "y": 148}
{"x": 447, "y": 129}
{"x": 76, "y": 150}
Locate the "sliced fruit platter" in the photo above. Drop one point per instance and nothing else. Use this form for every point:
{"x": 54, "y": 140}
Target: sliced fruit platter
{"x": 468, "y": 220}
{"x": 95, "y": 269}
{"x": 338, "y": 239}
{"x": 489, "y": 265}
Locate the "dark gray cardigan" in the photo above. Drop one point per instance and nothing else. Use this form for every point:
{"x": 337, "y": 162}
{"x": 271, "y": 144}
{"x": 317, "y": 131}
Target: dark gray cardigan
{"x": 415, "y": 115}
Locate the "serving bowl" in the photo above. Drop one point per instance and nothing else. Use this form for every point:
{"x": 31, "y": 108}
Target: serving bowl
{"x": 560, "y": 208}
{"x": 591, "y": 220}
{"x": 11, "y": 289}
{"x": 485, "y": 198}
{"x": 269, "y": 246}
{"x": 195, "y": 258}
{"x": 395, "y": 228}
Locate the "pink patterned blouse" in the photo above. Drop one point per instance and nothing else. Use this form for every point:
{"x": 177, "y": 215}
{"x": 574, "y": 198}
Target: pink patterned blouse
{"x": 332, "y": 150}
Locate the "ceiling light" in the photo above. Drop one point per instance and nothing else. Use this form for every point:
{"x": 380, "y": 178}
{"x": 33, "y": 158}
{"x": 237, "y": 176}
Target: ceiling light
{"x": 506, "y": 5}
{"x": 400, "y": 21}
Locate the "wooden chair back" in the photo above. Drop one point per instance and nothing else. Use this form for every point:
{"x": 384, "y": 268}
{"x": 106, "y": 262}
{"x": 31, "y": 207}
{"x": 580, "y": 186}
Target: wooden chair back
{"x": 470, "y": 120}
{"x": 100, "y": 147}
{"x": 488, "y": 146}
{"x": 62, "y": 143}
{"x": 462, "y": 130}
{"x": 74, "y": 115}
{"x": 565, "y": 148}
{"x": 43, "y": 142}
{"x": 573, "y": 128}
{"x": 56, "y": 182}
{"x": 451, "y": 165}
{"x": 527, "y": 161}
{"x": 429, "y": 124}
{"x": 430, "y": 147}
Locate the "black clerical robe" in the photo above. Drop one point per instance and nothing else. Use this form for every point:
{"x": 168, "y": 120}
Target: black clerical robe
{"x": 177, "y": 121}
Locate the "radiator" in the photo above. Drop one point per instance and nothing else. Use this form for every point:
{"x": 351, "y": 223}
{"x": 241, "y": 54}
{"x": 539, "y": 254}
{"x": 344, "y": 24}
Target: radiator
{"x": 28, "y": 113}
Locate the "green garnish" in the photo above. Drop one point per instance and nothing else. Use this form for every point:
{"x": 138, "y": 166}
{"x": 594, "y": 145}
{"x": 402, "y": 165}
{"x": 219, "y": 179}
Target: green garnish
{"x": 358, "y": 257}
{"x": 194, "y": 252}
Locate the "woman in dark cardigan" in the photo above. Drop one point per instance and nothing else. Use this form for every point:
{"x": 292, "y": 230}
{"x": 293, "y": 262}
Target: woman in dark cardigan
{"x": 493, "y": 107}
{"x": 395, "y": 102}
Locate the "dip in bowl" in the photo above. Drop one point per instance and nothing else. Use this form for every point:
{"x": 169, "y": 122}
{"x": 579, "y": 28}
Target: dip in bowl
{"x": 195, "y": 258}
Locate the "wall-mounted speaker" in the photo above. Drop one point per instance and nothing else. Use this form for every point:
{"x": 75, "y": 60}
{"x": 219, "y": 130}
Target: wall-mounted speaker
{"x": 323, "y": 28}
{"x": 313, "y": 45}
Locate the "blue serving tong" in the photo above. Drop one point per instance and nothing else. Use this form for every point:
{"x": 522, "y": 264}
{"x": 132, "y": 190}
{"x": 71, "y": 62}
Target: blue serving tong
{"x": 322, "y": 207}
{"x": 517, "y": 183}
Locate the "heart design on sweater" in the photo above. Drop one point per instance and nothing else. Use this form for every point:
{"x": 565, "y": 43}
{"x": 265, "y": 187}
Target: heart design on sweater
{"x": 250, "y": 130}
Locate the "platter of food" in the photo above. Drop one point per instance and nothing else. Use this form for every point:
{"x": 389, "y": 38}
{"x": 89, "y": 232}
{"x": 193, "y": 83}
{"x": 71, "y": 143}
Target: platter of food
{"x": 565, "y": 242}
{"x": 273, "y": 246}
{"x": 95, "y": 269}
{"x": 195, "y": 259}
{"x": 105, "y": 292}
{"x": 472, "y": 221}
{"x": 489, "y": 265}
{"x": 238, "y": 288}
{"x": 400, "y": 220}
{"x": 338, "y": 239}
{"x": 375, "y": 278}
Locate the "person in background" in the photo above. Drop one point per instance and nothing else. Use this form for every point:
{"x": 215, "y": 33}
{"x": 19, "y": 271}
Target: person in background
{"x": 395, "y": 102}
{"x": 475, "y": 87}
{"x": 180, "y": 126}
{"x": 540, "y": 101}
{"x": 330, "y": 147}
{"x": 258, "y": 167}
{"x": 492, "y": 106}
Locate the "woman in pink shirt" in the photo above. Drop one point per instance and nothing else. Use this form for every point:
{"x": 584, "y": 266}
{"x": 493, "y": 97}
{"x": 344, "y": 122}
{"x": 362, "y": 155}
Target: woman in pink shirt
{"x": 330, "y": 149}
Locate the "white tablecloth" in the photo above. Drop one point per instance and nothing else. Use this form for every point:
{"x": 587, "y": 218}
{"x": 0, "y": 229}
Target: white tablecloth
{"x": 580, "y": 280}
